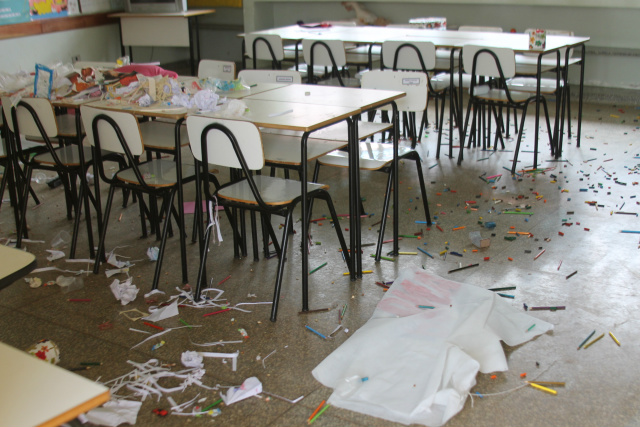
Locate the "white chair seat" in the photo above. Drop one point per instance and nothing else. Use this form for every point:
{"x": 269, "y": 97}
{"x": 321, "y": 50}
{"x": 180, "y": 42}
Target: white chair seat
{"x": 161, "y": 135}
{"x": 157, "y": 173}
{"x": 338, "y": 132}
{"x": 443, "y": 59}
{"x": 274, "y": 191}
{"x": 318, "y": 70}
{"x": 360, "y": 54}
{"x": 66, "y": 128}
{"x": 68, "y": 155}
{"x": 441, "y": 81}
{"x": 499, "y": 95}
{"x": 547, "y": 61}
{"x": 532, "y": 69}
{"x": 373, "y": 156}
{"x": 528, "y": 84}
{"x": 285, "y": 149}
{"x": 333, "y": 81}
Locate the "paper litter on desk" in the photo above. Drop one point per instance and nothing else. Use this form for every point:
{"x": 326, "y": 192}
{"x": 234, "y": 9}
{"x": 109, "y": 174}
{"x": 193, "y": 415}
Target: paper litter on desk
{"x": 421, "y": 364}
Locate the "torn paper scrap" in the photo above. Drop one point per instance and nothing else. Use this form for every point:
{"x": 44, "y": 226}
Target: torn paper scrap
{"x": 192, "y": 359}
{"x": 55, "y": 254}
{"x": 164, "y": 312}
{"x": 114, "y": 413}
{"x": 249, "y": 388}
{"x": 152, "y": 253}
{"x": 125, "y": 292}
{"x": 420, "y": 364}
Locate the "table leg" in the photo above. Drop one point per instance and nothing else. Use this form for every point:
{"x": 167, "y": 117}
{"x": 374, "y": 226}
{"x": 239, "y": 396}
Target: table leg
{"x": 357, "y": 252}
{"x": 353, "y": 195}
{"x": 581, "y": 94}
{"x": 396, "y": 170}
{"x": 181, "y": 225}
{"x": 304, "y": 243}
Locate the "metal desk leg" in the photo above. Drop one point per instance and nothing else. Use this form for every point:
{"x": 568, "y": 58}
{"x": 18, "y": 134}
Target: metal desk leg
{"x": 181, "y": 225}
{"x": 581, "y": 94}
{"x": 353, "y": 195}
{"x": 305, "y": 225}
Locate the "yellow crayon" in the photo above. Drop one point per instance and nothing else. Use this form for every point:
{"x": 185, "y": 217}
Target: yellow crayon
{"x": 407, "y": 253}
{"x": 592, "y": 342}
{"x": 614, "y": 338}
{"x": 367, "y": 271}
{"x": 541, "y": 388}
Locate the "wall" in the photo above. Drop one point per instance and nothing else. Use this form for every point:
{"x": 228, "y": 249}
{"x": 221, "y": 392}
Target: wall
{"x": 25, "y": 52}
{"x": 218, "y": 40}
{"x": 613, "y": 56}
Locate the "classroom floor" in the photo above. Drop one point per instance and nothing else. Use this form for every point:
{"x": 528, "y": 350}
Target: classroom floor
{"x": 602, "y": 382}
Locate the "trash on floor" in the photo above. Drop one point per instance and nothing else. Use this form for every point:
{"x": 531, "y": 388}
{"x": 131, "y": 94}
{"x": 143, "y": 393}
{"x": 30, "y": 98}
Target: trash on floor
{"x": 421, "y": 364}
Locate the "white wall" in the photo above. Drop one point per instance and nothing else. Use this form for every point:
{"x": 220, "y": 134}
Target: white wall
{"x": 613, "y": 54}
{"x": 91, "y": 44}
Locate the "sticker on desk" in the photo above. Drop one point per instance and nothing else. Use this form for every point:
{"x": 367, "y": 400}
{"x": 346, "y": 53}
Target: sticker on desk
{"x": 227, "y": 69}
{"x": 284, "y": 79}
{"x": 411, "y": 81}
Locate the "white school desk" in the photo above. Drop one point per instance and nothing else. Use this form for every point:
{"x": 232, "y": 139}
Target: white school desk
{"x": 15, "y": 264}
{"x": 36, "y": 393}
{"x": 307, "y": 118}
{"x": 364, "y": 100}
{"x": 178, "y": 29}
{"x": 447, "y": 39}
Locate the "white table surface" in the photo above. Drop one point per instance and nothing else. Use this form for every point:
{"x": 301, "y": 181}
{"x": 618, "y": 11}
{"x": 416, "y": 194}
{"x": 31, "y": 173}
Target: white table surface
{"x": 36, "y": 393}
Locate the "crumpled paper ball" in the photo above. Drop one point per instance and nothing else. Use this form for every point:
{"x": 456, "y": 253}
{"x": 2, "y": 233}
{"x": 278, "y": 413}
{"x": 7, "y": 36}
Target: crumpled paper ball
{"x": 124, "y": 292}
{"x": 45, "y": 350}
{"x": 235, "y": 109}
{"x": 206, "y": 100}
{"x": 192, "y": 359}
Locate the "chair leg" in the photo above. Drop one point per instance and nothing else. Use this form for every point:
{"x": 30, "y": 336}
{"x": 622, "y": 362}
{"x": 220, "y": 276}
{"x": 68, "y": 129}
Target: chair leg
{"x": 202, "y": 269}
{"x": 336, "y": 221}
{"x": 163, "y": 242}
{"x": 517, "y": 149}
{"x": 254, "y": 235}
{"x": 440, "y": 125}
{"x": 416, "y": 158}
{"x": 23, "y": 207}
{"x": 466, "y": 123}
{"x": 280, "y": 273}
{"x": 100, "y": 255}
{"x": 385, "y": 211}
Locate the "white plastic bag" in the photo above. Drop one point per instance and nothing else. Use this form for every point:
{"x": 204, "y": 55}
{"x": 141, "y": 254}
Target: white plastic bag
{"x": 416, "y": 365}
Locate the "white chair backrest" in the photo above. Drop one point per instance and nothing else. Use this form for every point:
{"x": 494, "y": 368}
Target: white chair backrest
{"x": 321, "y": 54}
{"x": 262, "y": 50}
{"x": 480, "y": 29}
{"x": 109, "y": 141}
{"x": 79, "y": 65}
{"x": 486, "y": 65}
{"x": 219, "y": 149}
{"x": 408, "y": 58}
{"x": 270, "y": 76}
{"x": 223, "y": 70}
{"x": 413, "y": 83}
{"x": 26, "y": 123}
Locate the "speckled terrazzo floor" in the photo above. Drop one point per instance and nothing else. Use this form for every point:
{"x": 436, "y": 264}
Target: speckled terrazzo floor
{"x": 602, "y": 383}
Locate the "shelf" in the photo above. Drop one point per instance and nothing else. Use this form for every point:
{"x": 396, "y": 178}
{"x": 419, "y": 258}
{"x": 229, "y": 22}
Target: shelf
{"x": 44, "y": 26}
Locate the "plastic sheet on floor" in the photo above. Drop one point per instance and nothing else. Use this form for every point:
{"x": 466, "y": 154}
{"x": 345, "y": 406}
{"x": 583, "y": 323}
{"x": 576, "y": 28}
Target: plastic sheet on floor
{"x": 412, "y": 364}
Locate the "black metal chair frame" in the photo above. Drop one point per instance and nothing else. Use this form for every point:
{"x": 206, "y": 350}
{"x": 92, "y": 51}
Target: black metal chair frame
{"x": 262, "y": 207}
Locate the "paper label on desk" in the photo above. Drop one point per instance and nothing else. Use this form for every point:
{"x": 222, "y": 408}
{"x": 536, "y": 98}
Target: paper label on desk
{"x": 284, "y": 79}
{"x": 411, "y": 81}
{"x": 227, "y": 69}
